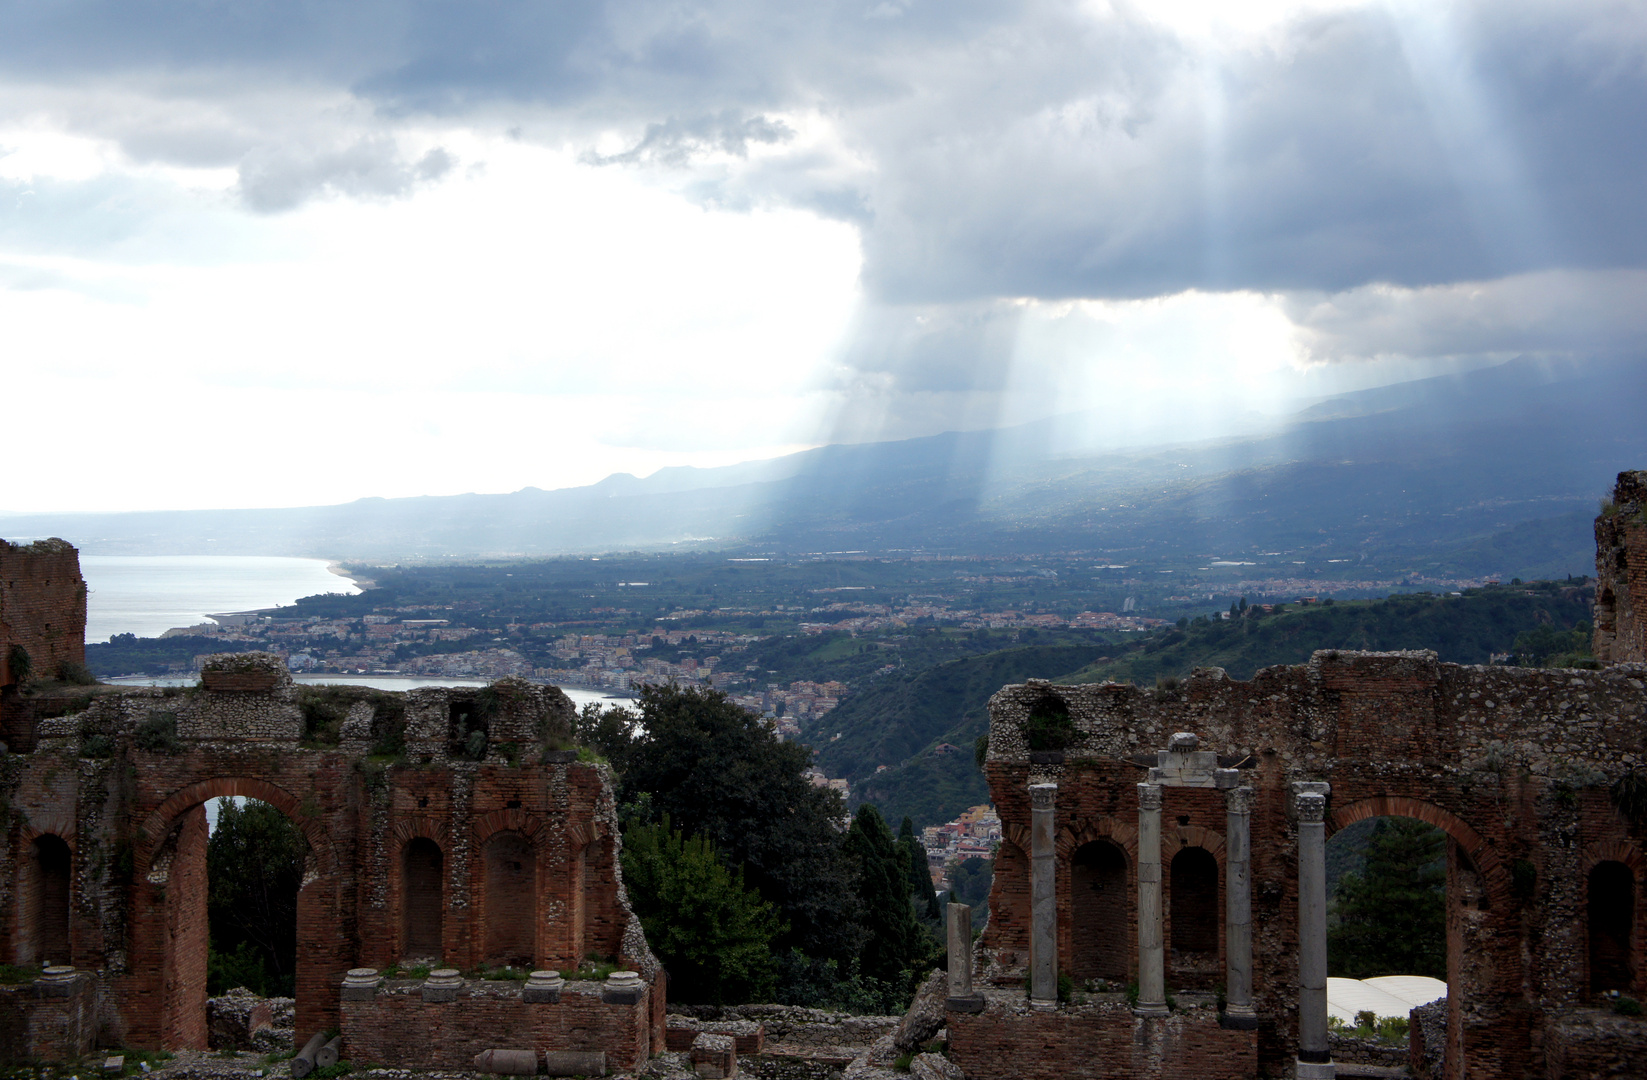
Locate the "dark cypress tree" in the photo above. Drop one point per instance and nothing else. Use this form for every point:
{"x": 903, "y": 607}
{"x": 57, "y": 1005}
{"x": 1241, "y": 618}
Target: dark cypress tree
{"x": 1392, "y": 917}
{"x": 896, "y": 946}
{"x": 921, "y": 889}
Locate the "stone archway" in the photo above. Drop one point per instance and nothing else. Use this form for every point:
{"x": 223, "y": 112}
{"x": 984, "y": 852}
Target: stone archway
{"x": 1476, "y": 881}
{"x": 170, "y": 931}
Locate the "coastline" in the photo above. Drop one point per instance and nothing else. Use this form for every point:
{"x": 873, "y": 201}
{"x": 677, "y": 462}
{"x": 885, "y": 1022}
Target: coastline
{"x": 358, "y": 582}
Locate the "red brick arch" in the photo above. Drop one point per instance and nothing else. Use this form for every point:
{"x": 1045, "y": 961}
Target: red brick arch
{"x": 408, "y": 829}
{"x": 1486, "y": 860}
{"x": 1179, "y": 837}
{"x": 515, "y": 821}
{"x": 159, "y": 822}
{"x": 1615, "y": 851}
{"x": 58, "y": 825}
{"x": 1072, "y": 837}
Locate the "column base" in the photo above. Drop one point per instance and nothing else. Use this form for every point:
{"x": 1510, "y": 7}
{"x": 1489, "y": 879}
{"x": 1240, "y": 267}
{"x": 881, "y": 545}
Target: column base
{"x": 967, "y": 1003}
{"x": 1238, "y": 1018}
{"x": 1043, "y": 1004}
{"x": 1151, "y": 1008}
{"x": 1315, "y": 1070}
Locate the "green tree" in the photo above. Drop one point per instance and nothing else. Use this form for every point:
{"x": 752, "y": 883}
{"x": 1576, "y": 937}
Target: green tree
{"x": 969, "y": 884}
{"x": 712, "y": 933}
{"x": 921, "y": 888}
{"x": 610, "y": 731}
{"x": 897, "y": 948}
{"x": 718, "y": 772}
{"x": 255, "y": 859}
{"x": 1391, "y": 919}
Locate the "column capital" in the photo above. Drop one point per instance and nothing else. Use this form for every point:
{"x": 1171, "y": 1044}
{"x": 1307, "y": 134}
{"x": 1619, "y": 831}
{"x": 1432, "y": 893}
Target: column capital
{"x": 1149, "y": 796}
{"x": 1041, "y": 796}
{"x": 1238, "y": 800}
{"x": 1312, "y": 807}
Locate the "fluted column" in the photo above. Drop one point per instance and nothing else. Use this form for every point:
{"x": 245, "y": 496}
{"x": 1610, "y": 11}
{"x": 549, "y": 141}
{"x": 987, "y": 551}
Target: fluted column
{"x": 1043, "y": 899}
{"x": 1152, "y": 975}
{"x": 1314, "y": 1057}
{"x": 1238, "y": 1010}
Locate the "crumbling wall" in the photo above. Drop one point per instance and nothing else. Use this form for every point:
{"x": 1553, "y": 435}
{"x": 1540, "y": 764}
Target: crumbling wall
{"x": 42, "y": 619}
{"x": 1521, "y": 767}
{"x": 123, "y": 784}
{"x": 1621, "y": 573}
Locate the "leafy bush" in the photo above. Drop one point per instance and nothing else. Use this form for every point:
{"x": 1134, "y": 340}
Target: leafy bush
{"x": 1624, "y": 1005}
{"x": 79, "y": 674}
{"x": 158, "y": 734}
{"x": 1050, "y": 727}
{"x": 22, "y": 668}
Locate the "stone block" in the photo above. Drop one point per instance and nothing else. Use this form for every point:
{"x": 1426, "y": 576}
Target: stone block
{"x": 542, "y": 988}
{"x": 442, "y": 986}
{"x": 574, "y": 1062}
{"x": 714, "y": 1057}
{"x": 623, "y": 988}
{"x": 361, "y": 984}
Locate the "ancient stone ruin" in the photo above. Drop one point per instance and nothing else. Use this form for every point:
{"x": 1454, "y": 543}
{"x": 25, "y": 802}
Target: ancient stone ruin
{"x": 42, "y": 613}
{"x": 443, "y": 825}
{"x": 1174, "y": 839}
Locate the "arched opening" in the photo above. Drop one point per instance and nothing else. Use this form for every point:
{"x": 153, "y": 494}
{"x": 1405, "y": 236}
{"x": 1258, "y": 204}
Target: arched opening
{"x": 234, "y": 894}
{"x": 255, "y": 860}
{"x": 1194, "y": 916}
{"x": 511, "y": 900}
{"x": 1612, "y": 914}
{"x": 422, "y": 909}
{"x": 1098, "y": 879}
{"x": 1397, "y": 888}
{"x": 45, "y": 936}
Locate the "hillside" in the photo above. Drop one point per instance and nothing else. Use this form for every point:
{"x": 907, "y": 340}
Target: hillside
{"x": 907, "y": 722}
{"x": 1482, "y": 474}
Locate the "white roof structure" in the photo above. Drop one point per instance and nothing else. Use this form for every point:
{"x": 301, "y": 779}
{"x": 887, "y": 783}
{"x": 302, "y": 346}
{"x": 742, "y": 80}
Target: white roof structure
{"x": 1388, "y": 995}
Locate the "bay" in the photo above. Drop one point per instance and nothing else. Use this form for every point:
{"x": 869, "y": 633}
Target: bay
{"x": 147, "y": 595}
{"x": 580, "y": 696}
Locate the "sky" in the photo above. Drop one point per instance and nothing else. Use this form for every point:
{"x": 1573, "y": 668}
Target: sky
{"x": 277, "y": 254}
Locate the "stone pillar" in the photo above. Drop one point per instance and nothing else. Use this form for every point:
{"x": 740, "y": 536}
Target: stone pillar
{"x": 1043, "y": 884}
{"x": 1314, "y": 1058}
{"x": 1238, "y": 1010}
{"x": 1152, "y": 974}
{"x": 961, "y": 997}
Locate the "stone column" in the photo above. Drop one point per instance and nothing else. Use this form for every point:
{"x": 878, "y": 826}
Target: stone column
{"x": 1314, "y": 1058}
{"x": 1043, "y": 899}
{"x": 1238, "y": 1010}
{"x": 1152, "y": 974}
{"x": 961, "y": 997}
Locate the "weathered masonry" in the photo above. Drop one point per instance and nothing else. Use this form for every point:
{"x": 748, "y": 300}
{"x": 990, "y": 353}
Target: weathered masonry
{"x": 476, "y": 844}
{"x": 1174, "y": 838}
{"x": 42, "y": 614}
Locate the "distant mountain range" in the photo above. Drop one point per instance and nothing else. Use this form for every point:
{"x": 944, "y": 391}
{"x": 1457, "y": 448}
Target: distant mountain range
{"x": 1497, "y": 468}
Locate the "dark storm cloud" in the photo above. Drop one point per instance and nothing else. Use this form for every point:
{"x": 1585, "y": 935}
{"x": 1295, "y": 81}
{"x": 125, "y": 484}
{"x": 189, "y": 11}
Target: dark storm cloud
{"x": 986, "y": 149}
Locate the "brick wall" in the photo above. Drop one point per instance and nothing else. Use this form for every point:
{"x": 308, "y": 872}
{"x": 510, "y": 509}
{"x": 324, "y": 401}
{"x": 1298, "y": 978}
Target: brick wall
{"x": 1621, "y": 573}
{"x": 398, "y": 1026}
{"x": 42, "y": 610}
{"x": 1097, "y": 1042}
{"x": 134, "y": 823}
{"x": 62, "y": 1026}
{"x": 1516, "y": 765}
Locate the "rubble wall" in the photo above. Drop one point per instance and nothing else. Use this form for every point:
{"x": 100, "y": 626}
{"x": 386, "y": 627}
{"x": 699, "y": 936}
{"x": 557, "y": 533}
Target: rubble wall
{"x": 123, "y": 783}
{"x": 1621, "y": 573}
{"x": 1519, "y": 766}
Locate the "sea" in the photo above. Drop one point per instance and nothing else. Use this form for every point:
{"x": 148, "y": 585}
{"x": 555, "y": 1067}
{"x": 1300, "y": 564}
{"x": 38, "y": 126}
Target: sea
{"x": 147, "y": 595}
